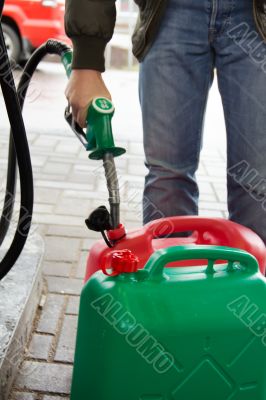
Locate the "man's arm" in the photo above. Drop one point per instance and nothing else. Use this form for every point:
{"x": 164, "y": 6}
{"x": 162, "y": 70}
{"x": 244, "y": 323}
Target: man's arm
{"x": 90, "y": 25}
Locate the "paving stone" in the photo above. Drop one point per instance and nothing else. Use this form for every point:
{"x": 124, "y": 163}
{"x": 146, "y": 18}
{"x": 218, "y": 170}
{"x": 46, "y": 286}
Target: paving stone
{"x": 45, "y": 377}
{"x": 211, "y": 179}
{"x": 213, "y": 206}
{"x": 64, "y": 285}
{"x": 89, "y": 179}
{"x": 222, "y": 196}
{"x": 225, "y": 214}
{"x": 220, "y": 191}
{"x": 122, "y": 143}
{"x": 46, "y": 141}
{"x": 39, "y": 346}
{"x": 68, "y": 147}
{"x": 82, "y": 194}
{"x": 50, "y": 177}
{"x": 38, "y": 161}
{"x": 61, "y": 249}
{"x": 121, "y": 163}
{"x": 211, "y": 213}
{"x": 133, "y": 178}
{"x": 32, "y": 136}
{"x": 81, "y": 267}
{"x": 56, "y": 168}
{"x": 23, "y": 396}
{"x": 40, "y": 150}
{"x": 48, "y": 219}
{"x": 137, "y": 168}
{"x": 136, "y": 148}
{"x": 208, "y": 159}
{"x": 86, "y": 168}
{"x": 135, "y": 215}
{"x": 132, "y": 225}
{"x": 43, "y": 208}
{"x": 70, "y": 206}
{"x": 67, "y": 159}
{"x": 127, "y": 205}
{"x": 73, "y": 305}
{"x": 88, "y": 243}
{"x": 67, "y": 340}
{"x": 56, "y": 268}
{"x": 208, "y": 197}
{"x": 46, "y": 183}
{"x": 52, "y": 310}
{"x": 205, "y": 187}
{"x": 46, "y": 196}
{"x": 69, "y": 231}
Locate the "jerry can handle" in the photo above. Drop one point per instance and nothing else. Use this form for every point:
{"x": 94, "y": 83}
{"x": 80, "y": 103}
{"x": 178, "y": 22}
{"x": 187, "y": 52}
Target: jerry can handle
{"x": 222, "y": 229}
{"x": 160, "y": 258}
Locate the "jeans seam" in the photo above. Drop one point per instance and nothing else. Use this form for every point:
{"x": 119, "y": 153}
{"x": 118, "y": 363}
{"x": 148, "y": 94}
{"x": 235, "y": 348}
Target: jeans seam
{"x": 214, "y": 15}
{"x": 228, "y": 20}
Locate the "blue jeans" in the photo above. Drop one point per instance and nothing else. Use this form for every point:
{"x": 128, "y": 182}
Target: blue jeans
{"x": 196, "y": 36}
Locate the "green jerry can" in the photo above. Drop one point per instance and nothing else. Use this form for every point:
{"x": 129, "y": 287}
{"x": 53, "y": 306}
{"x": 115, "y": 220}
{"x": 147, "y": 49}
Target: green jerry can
{"x": 193, "y": 333}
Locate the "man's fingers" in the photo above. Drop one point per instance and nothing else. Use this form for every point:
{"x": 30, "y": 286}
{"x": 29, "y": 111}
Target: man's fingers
{"x": 81, "y": 117}
{"x": 74, "y": 112}
{"x": 83, "y": 86}
{"x": 79, "y": 114}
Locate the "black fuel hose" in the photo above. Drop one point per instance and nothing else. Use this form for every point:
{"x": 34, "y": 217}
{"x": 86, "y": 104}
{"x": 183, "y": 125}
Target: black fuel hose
{"x": 23, "y": 159}
{"x": 18, "y": 148}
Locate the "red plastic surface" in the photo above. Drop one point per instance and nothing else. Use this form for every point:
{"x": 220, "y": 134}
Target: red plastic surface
{"x": 122, "y": 261}
{"x": 211, "y": 231}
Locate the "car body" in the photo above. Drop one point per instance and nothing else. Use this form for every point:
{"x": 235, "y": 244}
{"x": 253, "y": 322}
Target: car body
{"x": 29, "y": 23}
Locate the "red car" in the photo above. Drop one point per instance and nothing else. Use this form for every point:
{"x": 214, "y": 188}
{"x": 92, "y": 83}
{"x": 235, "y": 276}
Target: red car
{"x": 29, "y": 23}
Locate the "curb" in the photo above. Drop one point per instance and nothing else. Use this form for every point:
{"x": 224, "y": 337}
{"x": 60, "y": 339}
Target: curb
{"x": 20, "y": 293}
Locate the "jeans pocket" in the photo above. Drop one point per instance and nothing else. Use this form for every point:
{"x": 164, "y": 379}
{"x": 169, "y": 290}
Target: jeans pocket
{"x": 147, "y": 24}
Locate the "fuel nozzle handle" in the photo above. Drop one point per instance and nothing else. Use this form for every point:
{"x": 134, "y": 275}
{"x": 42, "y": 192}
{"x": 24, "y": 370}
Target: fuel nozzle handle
{"x": 99, "y": 142}
{"x": 99, "y": 130}
{"x": 99, "y": 133}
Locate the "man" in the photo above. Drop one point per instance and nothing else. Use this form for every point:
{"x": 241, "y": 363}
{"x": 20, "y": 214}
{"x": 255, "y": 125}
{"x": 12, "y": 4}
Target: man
{"x": 178, "y": 44}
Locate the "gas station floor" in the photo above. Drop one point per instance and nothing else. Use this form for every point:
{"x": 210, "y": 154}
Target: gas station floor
{"x": 68, "y": 187}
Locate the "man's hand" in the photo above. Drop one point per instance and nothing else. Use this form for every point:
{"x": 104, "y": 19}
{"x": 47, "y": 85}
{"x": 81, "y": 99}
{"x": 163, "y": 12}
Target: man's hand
{"x": 83, "y": 86}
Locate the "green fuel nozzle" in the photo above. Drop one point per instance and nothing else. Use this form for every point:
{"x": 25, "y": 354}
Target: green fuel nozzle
{"x": 66, "y": 59}
{"x": 99, "y": 133}
{"x": 99, "y": 142}
{"x": 99, "y": 130}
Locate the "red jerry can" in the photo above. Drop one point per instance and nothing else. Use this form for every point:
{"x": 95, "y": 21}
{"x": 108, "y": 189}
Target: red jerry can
{"x": 143, "y": 242}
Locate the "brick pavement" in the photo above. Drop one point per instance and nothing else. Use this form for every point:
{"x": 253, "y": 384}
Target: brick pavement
{"x": 68, "y": 187}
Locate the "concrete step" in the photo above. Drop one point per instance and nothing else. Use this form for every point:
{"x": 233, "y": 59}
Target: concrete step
{"x": 20, "y": 293}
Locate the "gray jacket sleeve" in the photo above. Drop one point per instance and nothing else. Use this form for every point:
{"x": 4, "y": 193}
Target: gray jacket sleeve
{"x": 90, "y": 25}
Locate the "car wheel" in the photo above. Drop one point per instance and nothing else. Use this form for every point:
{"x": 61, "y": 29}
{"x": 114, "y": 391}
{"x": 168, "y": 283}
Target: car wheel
{"x": 13, "y": 45}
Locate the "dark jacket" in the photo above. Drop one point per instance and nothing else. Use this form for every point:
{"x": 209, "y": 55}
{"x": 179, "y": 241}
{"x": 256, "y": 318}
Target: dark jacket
{"x": 90, "y": 25}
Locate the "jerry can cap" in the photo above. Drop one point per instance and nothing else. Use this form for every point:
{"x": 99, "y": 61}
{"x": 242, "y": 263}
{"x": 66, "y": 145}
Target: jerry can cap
{"x": 122, "y": 261}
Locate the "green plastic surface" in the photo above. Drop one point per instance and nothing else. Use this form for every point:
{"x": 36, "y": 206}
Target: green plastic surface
{"x": 67, "y": 62}
{"x": 99, "y": 121}
{"x": 174, "y": 333}
{"x": 99, "y": 133}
